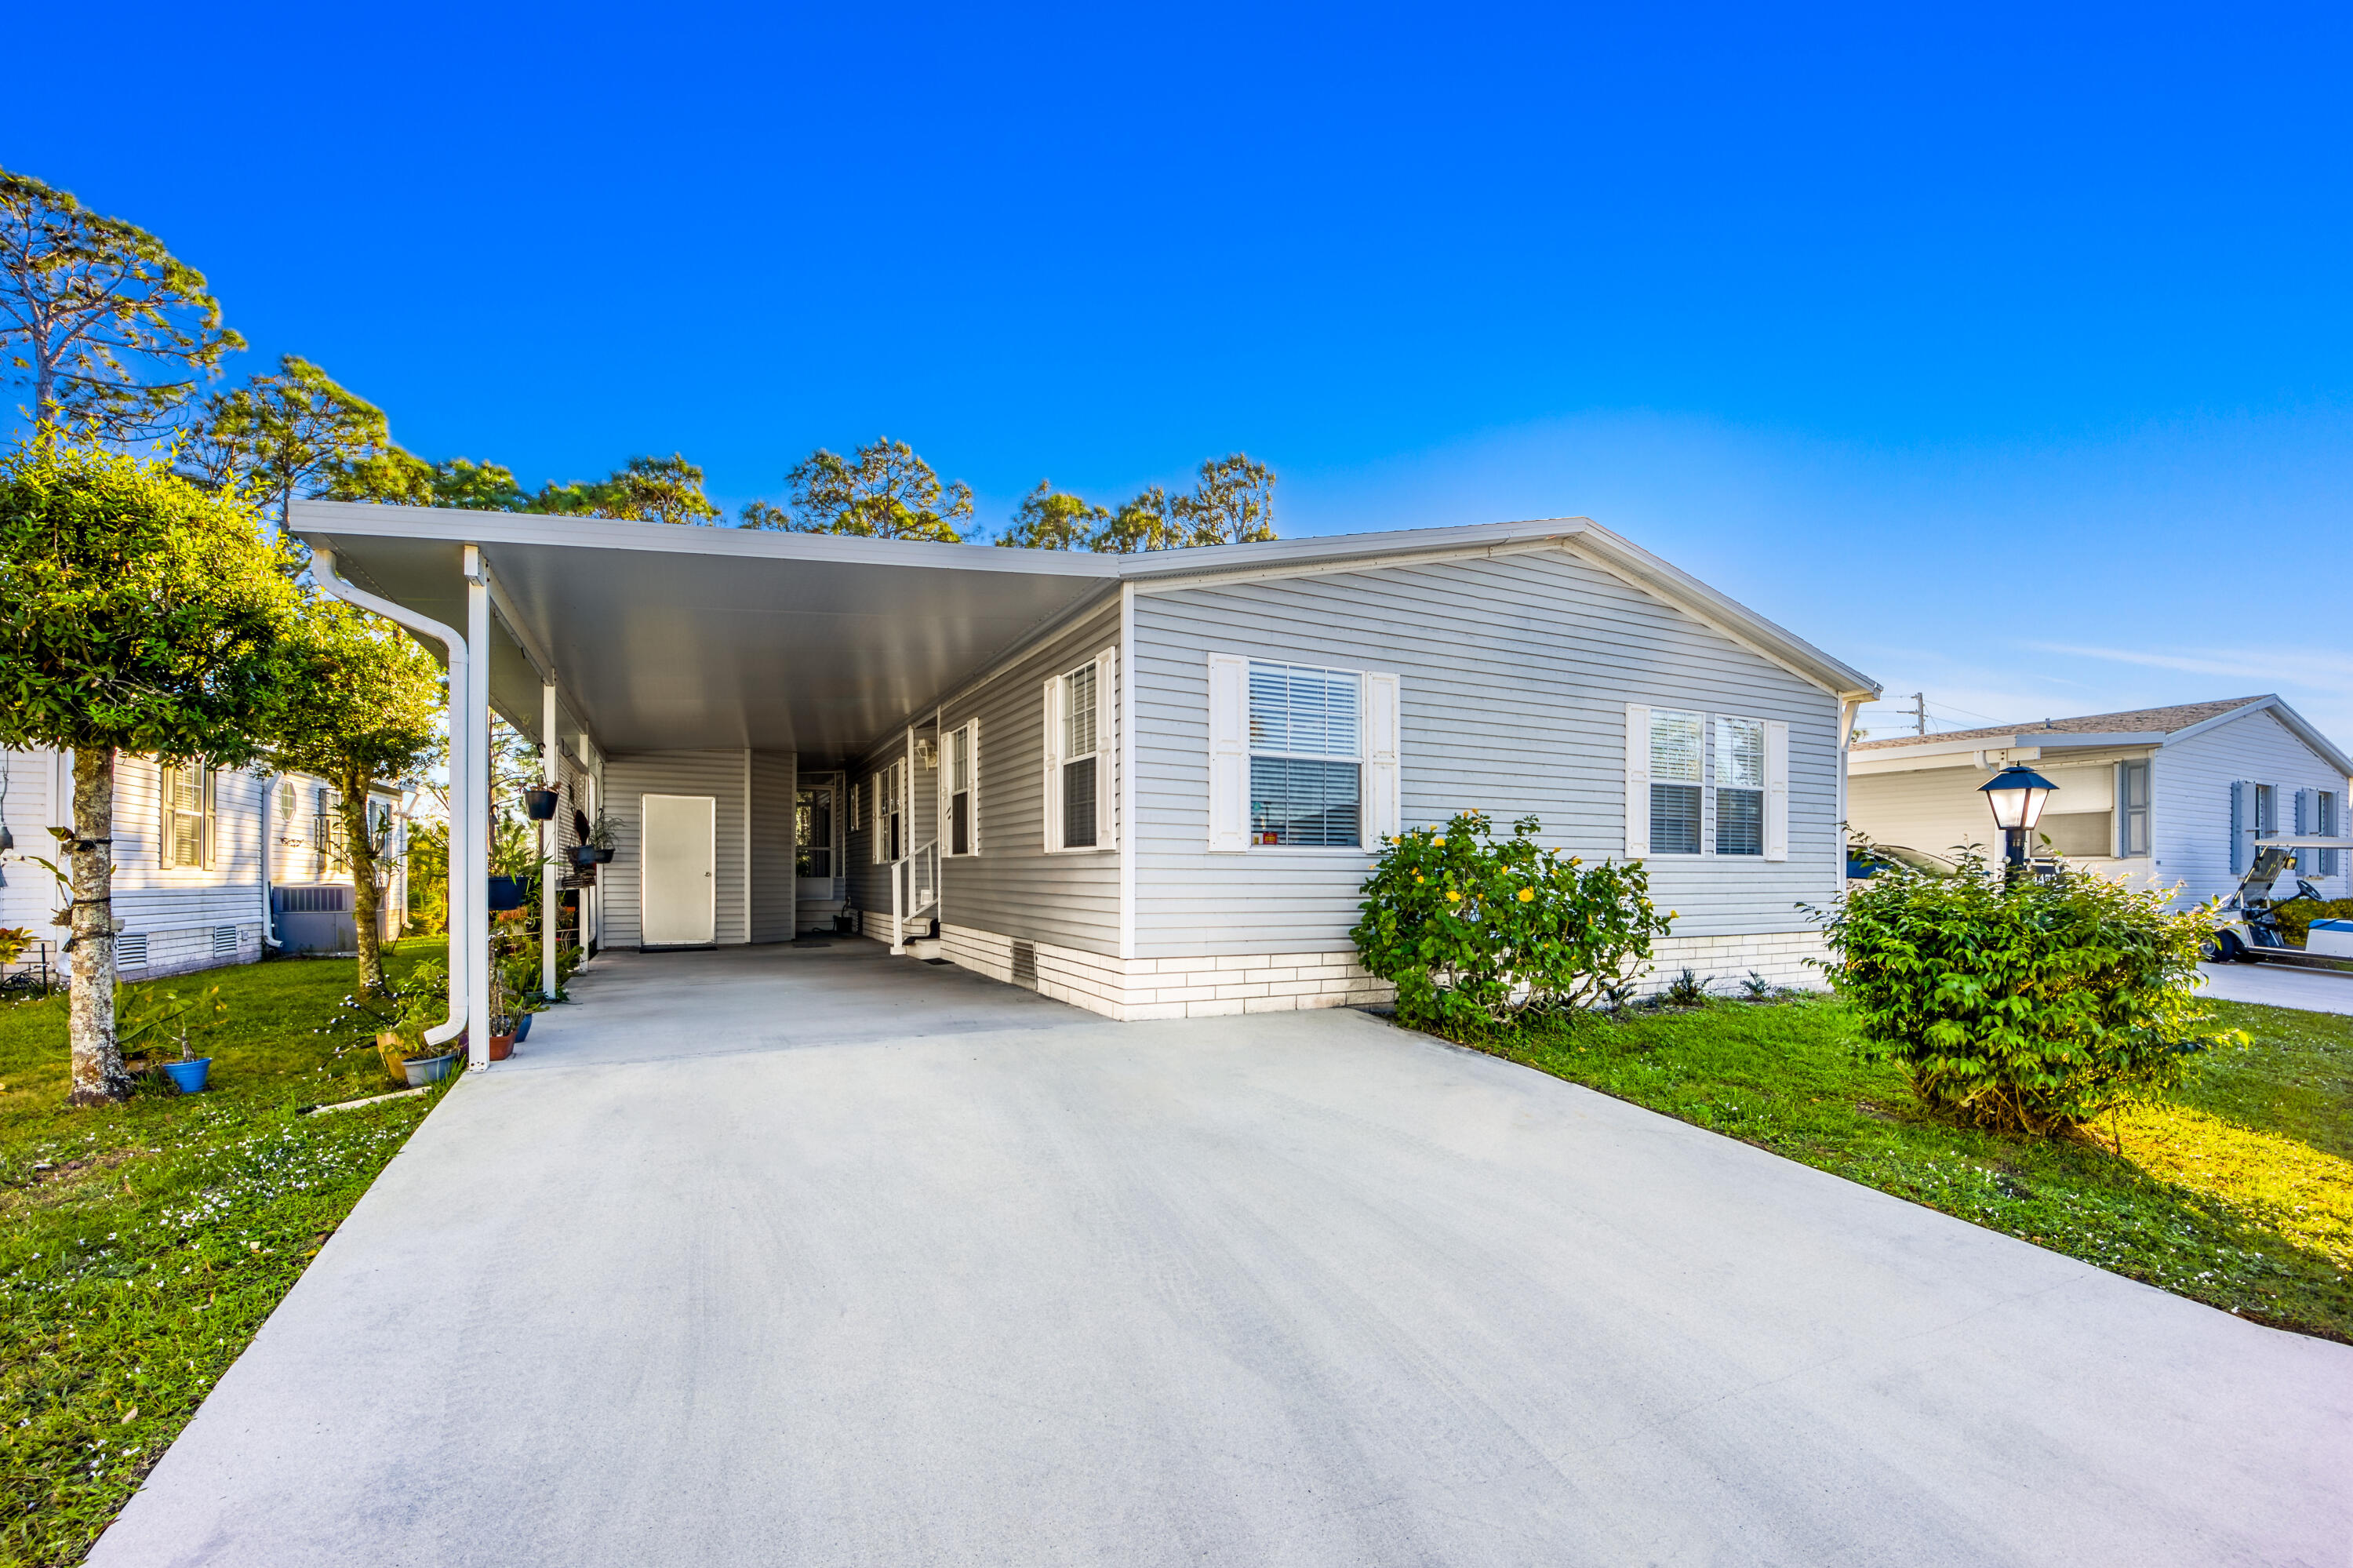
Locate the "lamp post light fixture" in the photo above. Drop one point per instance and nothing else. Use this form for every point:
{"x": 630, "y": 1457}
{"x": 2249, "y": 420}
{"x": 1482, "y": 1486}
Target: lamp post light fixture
{"x": 2016, "y": 795}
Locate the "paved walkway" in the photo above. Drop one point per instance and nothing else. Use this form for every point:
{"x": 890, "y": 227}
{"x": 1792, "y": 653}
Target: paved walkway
{"x": 2281, "y": 985}
{"x": 723, "y": 1269}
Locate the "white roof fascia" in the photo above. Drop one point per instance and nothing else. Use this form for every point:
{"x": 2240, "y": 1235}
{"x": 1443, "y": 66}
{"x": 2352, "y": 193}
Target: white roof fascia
{"x": 2298, "y": 725}
{"x": 364, "y": 518}
{"x": 2024, "y": 740}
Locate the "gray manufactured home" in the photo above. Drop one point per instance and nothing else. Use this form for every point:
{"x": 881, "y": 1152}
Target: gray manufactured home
{"x": 1148, "y": 785}
{"x": 2170, "y": 797}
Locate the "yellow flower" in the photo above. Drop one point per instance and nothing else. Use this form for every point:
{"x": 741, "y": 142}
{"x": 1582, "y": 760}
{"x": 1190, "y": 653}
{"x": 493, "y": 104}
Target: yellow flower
{"x": 1671, "y": 913}
{"x": 1574, "y": 861}
{"x": 1527, "y": 894}
{"x": 1439, "y": 840}
{"x": 1453, "y": 896}
{"x": 1417, "y": 876}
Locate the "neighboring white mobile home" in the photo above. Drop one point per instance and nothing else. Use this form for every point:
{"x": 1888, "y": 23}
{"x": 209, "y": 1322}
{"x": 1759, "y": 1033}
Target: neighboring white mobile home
{"x": 2157, "y": 796}
{"x": 189, "y": 847}
{"x": 1149, "y": 784}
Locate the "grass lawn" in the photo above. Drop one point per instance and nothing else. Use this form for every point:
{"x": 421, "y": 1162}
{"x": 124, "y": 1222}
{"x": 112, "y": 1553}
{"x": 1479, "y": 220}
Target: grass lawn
{"x": 2238, "y": 1193}
{"x": 141, "y": 1245}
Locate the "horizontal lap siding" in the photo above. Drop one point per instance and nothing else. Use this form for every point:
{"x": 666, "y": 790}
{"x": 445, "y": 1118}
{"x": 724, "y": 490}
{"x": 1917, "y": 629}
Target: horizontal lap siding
{"x": 149, "y": 896}
{"x": 1013, "y": 886}
{"x": 2189, "y": 799}
{"x": 773, "y": 888}
{"x": 1515, "y": 672}
{"x": 719, "y": 774}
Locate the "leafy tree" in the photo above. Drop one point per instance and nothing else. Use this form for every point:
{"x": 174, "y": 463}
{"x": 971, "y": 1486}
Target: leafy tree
{"x": 362, "y": 708}
{"x": 139, "y": 611}
{"x": 649, "y": 489}
{"x": 299, "y": 433}
{"x": 112, "y": 331}
{"x": 1234, "y": 503}
{"x": 476, "y": 487}
{"x": 885, "y": 492}
{"x": 1142, "y": 524}
{"x": 1050, "y": 519}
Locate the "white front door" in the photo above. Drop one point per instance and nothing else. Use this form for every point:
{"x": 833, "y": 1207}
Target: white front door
{"x": 678, "y": 903}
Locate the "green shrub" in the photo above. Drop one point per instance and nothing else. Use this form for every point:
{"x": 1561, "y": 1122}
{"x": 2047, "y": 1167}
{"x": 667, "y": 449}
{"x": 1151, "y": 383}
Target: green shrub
{"x": 2295, "y": 919}
{"x": 2030, "y": 1008}
{"x": 1472, "y": 931}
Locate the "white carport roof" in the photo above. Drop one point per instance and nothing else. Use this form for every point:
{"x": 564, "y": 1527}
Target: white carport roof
{"x": 661, "y": 637}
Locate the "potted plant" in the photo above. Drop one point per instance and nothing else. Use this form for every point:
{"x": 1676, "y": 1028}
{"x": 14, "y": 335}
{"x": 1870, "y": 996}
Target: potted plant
{"x": 539, "y": 803}
{"x": 418, "y": 1005}
{"x": 169, "y": 1018}
{"x": 515, "y": 867}
{"x": 596, "y": 846}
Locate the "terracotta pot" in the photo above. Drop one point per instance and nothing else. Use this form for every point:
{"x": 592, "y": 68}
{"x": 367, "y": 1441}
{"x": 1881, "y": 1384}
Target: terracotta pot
{"x": 502, "y": 1047}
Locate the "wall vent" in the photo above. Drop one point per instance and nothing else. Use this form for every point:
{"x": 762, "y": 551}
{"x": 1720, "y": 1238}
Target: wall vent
{"x": 1025, "y": 961}
{"x": 130, "y": 952}
{"x": 224, "y": 941}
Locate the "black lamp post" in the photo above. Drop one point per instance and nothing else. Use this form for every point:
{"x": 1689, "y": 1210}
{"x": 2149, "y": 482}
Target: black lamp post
{"x": 2016, "y": 794}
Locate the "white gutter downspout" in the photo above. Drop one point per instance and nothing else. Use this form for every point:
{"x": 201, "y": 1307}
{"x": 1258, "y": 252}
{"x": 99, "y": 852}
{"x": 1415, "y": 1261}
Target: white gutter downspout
{"x": 551, "y": 776}
{"x": 477, "y": 811}
{"x": 268, "y": 925}
{"x": 322, "y": 569}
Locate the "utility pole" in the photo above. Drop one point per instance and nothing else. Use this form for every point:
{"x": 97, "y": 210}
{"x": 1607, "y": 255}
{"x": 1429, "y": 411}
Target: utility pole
{"x": 1919, "y": 713}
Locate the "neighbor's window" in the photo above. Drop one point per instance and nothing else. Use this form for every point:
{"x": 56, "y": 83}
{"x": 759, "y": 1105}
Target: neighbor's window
{"x": 2324, "y": 824}
{"x": 1677, "y": 771}
{"x": 1739, "y": 786}
{"x": 962, "y": 764}
{"x": 2132, "y": 808}
{"x": 187, "y": 826}
{"x": 1306, "y": 756}
{"x": 813, "y": 832}
{"x": 1081, "y": 761}
{"x": 2266, "y": 809}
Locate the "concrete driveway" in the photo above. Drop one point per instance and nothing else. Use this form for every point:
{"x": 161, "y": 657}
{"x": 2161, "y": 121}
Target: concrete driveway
{"x": 715, "y": 1274}
{"x": 2281, "y": 985}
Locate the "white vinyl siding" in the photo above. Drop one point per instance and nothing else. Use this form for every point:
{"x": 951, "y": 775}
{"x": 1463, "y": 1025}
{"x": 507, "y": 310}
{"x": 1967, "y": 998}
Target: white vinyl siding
{"x": 1015, "y": 886}
{"x": 1511, "y": 674}
{"x": 721, "y": 774}
{"x": 2132, "y": 809}
{"x": 774, "y": 889}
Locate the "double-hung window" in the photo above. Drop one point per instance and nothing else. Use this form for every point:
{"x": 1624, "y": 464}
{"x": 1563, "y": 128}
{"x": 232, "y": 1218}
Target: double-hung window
{"x": 813, "y": 832}
{"x": 1700, "y": 783}
{"x": 2132, "y": 808}
{"x": 1081, "y": 719}
{"x": 889, "y": 816}
{"x": 187, "y": 825}
{"x": 960, "y": 793}
{"x": 2315, "y": 815}
{"x": 1306, "y": 756}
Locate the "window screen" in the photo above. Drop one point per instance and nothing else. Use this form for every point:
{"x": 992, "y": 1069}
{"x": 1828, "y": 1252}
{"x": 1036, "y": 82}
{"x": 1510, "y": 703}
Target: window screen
{"x": 1739, "y": 786}
{"x": 1675, "y": 781}
{"x": 813, "y": 832}
{"x": 1306, "y": 772}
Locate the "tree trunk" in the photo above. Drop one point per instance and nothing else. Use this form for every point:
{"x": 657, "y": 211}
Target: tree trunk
{"x": 360, "y": 851}
{"x": 97, "y": 1077}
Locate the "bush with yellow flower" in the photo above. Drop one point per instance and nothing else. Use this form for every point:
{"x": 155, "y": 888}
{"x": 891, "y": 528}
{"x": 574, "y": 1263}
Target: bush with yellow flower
{"x": 1472, "y": 931}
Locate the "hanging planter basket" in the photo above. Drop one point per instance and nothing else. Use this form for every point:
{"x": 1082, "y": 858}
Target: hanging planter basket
{"x": 539, "y": 803}
{"x": 507, "y": 892}
{"x": 589, "y": 854}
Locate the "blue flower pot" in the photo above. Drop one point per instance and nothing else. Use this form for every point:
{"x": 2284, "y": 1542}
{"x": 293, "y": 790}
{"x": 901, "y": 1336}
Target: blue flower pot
{"x": 188, "y": 1076}
{"x": 523, "y": 1029}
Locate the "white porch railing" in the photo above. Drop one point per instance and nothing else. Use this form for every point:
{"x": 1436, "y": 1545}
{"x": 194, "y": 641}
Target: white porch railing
{"x": 915, "y": 888}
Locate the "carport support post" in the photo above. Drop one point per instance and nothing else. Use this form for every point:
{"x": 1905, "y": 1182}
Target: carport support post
{"x": 551, "y": 775}
{"x": 476, "y": 887}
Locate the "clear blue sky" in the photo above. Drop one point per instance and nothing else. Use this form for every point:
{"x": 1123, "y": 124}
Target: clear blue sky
{"x": 2002, "y": 353}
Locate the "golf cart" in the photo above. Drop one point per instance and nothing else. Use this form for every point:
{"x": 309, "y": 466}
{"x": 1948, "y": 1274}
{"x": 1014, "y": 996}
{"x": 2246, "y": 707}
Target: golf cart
{"x": 2249, "y": 932}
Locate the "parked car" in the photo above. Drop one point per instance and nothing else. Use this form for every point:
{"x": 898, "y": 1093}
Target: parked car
{"x": 1868, "y": 860}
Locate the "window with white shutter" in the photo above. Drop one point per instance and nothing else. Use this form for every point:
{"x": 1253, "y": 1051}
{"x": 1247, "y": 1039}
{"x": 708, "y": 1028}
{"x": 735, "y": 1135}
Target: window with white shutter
{"x": 187, "y": 817}
{"x": 2132, "y": 808}
{"x": 1080, "y": 721}
{"x": 960, "y": 791}
{"x": 1698, "y": 783}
